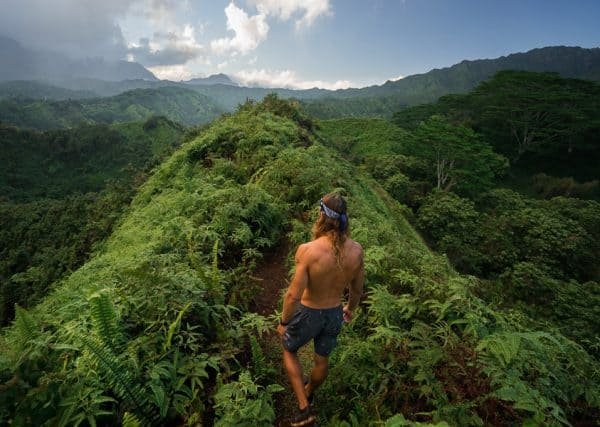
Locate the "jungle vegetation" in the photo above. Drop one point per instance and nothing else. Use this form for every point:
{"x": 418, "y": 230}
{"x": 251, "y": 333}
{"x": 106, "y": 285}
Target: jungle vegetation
{"x": 464, "y": 327}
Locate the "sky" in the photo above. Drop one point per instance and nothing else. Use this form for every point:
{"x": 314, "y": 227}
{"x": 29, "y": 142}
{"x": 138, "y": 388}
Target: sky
{"x": 300, "y": 44}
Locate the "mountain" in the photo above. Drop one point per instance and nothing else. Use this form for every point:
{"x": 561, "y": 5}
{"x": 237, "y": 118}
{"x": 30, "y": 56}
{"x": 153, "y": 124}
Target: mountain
{"x": 20, "y": 63}
{"x": 179, "y": 104}
{"x": 31, "y": 89}
{"x": 381, "y": 100}
{"x": 572, "y": 62}
{"x": 221, "y": 79}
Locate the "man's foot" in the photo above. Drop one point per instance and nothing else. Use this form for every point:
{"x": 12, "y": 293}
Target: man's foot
{"x": 304, "y": 418}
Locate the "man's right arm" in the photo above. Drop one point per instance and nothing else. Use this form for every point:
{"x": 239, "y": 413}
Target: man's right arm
{"x": 356, "y": 287}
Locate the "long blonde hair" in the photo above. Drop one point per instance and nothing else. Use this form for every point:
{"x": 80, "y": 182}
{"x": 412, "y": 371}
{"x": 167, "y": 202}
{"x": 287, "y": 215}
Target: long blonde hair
{"x": 336, "y": 229}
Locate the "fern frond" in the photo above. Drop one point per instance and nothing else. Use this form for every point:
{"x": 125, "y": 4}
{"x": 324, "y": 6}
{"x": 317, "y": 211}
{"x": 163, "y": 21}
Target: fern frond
{"x": 26, "y": 327}
{"x": 104, "y": 319}
{"x": 130, "y": 420}
{"x": 215, "y": 285}
{"x": 216, "y": 276}
{"x": 174, "y": 327}
{"x": 120, "y": 379}
{"x": 262, "y": 369}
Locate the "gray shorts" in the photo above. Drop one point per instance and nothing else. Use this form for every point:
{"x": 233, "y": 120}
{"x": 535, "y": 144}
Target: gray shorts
{"x": 321, "y": 324}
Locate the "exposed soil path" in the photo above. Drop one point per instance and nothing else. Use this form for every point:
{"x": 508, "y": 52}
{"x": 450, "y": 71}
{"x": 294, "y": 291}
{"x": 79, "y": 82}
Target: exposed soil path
{"x": 272, "y": 274}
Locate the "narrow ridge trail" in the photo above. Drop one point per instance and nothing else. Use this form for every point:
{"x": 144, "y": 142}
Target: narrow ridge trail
{"x": 272, "y": 274}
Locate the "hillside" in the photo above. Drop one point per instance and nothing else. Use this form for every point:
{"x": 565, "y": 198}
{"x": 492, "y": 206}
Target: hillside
{"x": 54, "y": 164}
{"x": 37, "y": 90}
{"x": 156, "y": 326}
{"x": 61, "y": 194}
{"x": 181, "y": 105}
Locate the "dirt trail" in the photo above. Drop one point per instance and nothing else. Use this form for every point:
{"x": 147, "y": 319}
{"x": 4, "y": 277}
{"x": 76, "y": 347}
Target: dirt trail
{"x": 272, "y": 273}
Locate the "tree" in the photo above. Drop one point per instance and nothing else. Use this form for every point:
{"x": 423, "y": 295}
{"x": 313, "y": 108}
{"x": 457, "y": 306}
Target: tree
{"x": 461, "y": 161}
{"x": 535, "y": 111}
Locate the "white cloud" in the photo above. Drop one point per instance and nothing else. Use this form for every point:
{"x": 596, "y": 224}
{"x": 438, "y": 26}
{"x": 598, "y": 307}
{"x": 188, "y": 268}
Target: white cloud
{"x": 171, "y": 72}
{"x": 167, "y": 48}
{"x": 249, "y": 32}
{"x": 400, "y": 77}
{"x": 222, "y": 65}
{"x": 284, "y": 79}
{"x": 284, "y": 9}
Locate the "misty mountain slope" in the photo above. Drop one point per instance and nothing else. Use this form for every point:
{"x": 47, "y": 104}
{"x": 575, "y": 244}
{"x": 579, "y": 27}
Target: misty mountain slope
{"x": 20, "y": 63}
{"x": 381, "y": 101}
{"x": 181, "y": 105}
{"x": 160, "y": 313}
{"x": 28, "y": 89}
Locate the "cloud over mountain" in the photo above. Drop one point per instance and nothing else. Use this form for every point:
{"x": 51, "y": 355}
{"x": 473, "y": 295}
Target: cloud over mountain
{"x": 74, "y": 27}
{"x": 284, "y": 79}
{"x": 170, "y": 48}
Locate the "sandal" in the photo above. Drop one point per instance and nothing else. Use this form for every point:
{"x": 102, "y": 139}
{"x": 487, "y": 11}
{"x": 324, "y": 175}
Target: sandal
{"x": 304, "y": 418}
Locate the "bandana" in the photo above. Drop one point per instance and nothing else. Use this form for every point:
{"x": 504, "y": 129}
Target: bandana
{"x": 334, "y": 215}
{"x": 329, "y": 212}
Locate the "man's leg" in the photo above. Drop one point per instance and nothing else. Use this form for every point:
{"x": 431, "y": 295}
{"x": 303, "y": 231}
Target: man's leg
{"x": 294, "y": 373}
{"x": 318, "y": 373}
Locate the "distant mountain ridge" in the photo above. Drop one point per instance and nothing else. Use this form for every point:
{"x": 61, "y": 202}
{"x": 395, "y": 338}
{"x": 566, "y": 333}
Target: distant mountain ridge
{"x": 215, "y": 79}
{"x": 20, "y": 63}
{"x": 575, "y": 62}
{"x": 382, "y": 100}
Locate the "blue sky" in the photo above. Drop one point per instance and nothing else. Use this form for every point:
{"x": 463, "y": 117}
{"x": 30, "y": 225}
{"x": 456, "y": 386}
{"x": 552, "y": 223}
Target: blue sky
{"x": 300, "y": 43}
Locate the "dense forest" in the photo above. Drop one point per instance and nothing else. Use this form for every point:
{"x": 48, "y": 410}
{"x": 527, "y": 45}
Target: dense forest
{"x": 178, "y": 104}
{"x": 62, "y": 192}
{"x": 482, "y": 281}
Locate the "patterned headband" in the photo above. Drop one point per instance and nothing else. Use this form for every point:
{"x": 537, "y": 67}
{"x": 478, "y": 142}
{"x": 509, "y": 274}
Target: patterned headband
{"x": 329, "y": 212}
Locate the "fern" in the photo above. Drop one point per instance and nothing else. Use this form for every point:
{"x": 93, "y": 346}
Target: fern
{"x": 120, "y": 379}
{"x": 174, "y": 327}
{"x": 262, "y": 369}
{"x": 244, "y": 403}
{"x": 214, "y": 278}
{"x": 255, "y": 323}
{"x": 104, "y": 319}
{"x": 130, "y": 420}
{"x": 25, "y": 326}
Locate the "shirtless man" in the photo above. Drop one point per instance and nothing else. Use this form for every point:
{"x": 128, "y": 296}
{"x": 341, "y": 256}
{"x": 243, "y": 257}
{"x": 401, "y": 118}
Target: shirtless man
{"x": 312, "y": 307}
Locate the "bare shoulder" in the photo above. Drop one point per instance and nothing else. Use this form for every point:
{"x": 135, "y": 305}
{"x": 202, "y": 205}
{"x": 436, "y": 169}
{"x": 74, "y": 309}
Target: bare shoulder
{"x": 303, "y": 252}
{"x": 355, "y": 247}
{"x": 354, "y": 251}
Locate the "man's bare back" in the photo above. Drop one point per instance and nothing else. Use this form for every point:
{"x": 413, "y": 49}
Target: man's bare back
{"x": 326, "y": 279}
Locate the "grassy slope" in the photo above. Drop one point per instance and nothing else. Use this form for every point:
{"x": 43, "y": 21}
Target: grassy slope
{"x": 248, "y": 181}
